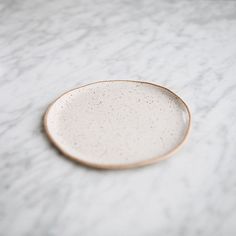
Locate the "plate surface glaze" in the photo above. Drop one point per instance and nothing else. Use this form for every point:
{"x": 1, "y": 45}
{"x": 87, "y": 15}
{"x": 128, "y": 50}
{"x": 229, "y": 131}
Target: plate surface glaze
{"x": 118, "y": 124}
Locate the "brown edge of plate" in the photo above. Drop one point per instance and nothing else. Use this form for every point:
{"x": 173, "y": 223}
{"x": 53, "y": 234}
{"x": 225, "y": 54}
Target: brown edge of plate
{"x": 119, "y": 166}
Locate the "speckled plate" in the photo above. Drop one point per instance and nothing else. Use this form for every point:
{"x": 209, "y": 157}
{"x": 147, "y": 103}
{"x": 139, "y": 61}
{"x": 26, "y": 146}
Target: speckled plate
{"x": 118, "y": 124}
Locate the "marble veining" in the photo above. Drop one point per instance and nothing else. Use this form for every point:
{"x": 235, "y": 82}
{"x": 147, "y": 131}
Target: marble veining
{"x": 48, "y": 47}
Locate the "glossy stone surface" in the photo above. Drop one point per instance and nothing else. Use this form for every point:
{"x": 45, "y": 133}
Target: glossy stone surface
{"x": 48, "y": 47}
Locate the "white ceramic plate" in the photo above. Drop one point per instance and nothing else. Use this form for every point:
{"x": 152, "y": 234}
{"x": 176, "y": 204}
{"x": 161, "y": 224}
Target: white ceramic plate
{"x": 118, "y": 124}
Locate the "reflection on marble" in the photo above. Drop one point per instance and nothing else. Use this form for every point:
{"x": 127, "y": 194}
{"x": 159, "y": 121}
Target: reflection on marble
{"x": 48, "y": 47}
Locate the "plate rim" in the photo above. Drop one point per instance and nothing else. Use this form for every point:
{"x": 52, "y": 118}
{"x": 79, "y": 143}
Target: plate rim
{"x": 118, "y": 166}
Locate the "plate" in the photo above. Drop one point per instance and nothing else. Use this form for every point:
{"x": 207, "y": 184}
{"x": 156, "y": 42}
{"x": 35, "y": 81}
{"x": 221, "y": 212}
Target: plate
{"x": 118, "y": 124}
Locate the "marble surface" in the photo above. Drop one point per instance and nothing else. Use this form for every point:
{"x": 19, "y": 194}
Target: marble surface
{"x": 48, "y": 47}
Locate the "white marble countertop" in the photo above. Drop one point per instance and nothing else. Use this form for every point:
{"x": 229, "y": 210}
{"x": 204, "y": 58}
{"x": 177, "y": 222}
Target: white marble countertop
{"x": 48, "y": 47}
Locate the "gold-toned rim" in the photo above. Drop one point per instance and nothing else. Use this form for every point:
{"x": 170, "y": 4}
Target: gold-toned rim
{"x": 118, "y": 166}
